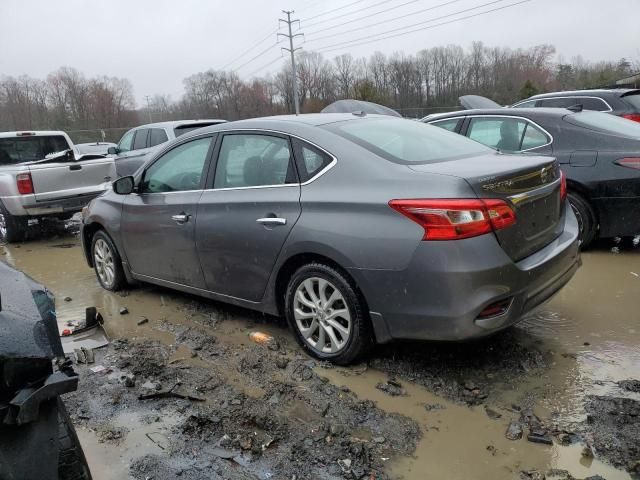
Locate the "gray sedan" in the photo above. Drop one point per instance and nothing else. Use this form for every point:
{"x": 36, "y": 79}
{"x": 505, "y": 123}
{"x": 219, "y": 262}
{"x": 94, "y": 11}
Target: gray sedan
{"x": 357, "y": 228}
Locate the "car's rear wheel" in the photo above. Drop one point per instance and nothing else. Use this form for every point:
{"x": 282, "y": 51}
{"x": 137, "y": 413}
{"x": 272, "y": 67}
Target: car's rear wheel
{"x": 327, "y": 314}
{"x": 72, "y": 464}
{"x": 587, "y": 221}
{"x": 13, "y": 229}
{"x": 107, "y": 262}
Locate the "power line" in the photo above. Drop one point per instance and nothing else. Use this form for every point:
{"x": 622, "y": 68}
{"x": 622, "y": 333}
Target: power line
{"x": 254, "y": 46}
{"x": 255, "y": 57}
{"x": 364, "y": 40}
{"x": 440, "y": 5}
{"x": 368, "y": 7}
{"x": 331, "y": 11}
{"x": 265, "y": 66}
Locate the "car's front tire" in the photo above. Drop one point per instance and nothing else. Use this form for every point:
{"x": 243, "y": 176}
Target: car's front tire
{"x": 327, "y": 314}
{"x": 107, "y": 262}
{"x": 586, "y": 218}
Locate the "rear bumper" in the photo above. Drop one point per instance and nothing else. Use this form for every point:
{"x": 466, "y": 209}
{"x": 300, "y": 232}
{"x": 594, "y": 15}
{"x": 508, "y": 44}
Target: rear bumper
{"x": 447, "y": 284}
{"x": 27, "y": 205}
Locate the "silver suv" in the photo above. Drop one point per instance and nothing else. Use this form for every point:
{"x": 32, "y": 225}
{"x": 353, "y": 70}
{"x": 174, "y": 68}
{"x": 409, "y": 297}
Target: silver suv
{"x": 43, "y": 175}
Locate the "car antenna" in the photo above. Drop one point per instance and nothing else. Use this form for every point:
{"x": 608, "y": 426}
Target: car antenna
{"x": 359, "y": 113}
{"x": 577, "y": 108}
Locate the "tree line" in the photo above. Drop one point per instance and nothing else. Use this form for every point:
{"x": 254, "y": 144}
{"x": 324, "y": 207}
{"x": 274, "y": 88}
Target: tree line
{"x": 428, "y": 81}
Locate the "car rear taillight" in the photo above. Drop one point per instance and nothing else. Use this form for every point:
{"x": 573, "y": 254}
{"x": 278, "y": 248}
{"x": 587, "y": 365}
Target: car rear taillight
{"x": 24, "y": 183}
{"x": 632, "y": 116}
{"x": 455, "y": 219}
{"x": 629, "y": 162}
{"x": 563, "y": 186}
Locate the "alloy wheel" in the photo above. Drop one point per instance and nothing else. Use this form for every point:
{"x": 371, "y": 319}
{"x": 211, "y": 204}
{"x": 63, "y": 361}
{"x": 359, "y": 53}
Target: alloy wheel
{"x": 322, "y": 315}
{"x": 104, "y": 262}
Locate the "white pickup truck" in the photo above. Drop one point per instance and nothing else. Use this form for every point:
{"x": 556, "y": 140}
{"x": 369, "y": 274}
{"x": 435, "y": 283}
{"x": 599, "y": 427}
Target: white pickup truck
{"x": 42, "y": 174}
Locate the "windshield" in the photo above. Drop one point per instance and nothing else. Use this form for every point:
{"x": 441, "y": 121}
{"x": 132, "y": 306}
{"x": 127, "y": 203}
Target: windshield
{"x": 14, "y": 150}
{"x": 605, "y": 122}
{"x": 633, "y": 99}
{"x": 407, "y": 141}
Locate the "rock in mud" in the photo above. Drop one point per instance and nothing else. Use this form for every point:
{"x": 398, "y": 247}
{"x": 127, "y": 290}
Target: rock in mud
{"x": 282, "y": 362}
{"x": 540, "y": 436}
{"x": 630, "y": 385}
{"x": 531, "y": 475}
{"x": 392, "y": 387}
{"x": 614, "y": 424}
{"x": 124, "y": 311}
{"x": 491, "y": 413}
{"x": 514, "y": 431}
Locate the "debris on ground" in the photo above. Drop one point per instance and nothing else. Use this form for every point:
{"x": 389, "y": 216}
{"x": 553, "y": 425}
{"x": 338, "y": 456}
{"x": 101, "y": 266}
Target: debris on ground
{"x": 265, "y": 339}
{"x": 514, "y": 431}
{"x": 630, "y": 385}
{"x": 124, "y": 311}
{"x": 142, "y": 321}
{"x": 392, "y": 387}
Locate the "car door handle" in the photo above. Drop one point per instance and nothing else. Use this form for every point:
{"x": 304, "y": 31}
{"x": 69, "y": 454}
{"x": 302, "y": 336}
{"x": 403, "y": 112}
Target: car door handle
{"x": 272, "y": 221}
{"x": 75, "y": 167}
{"x": 181, "y": 218}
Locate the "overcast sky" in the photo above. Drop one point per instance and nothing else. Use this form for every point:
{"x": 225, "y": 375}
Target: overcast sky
{"x": 157, "y": 43}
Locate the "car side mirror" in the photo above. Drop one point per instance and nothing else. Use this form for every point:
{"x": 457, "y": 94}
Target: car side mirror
{"x": 124, "y": 185}
{"x": 112, "y": 150}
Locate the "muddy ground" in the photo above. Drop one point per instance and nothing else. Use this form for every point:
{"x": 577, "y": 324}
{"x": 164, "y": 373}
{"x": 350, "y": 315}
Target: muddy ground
{"x": 557, "y": 396}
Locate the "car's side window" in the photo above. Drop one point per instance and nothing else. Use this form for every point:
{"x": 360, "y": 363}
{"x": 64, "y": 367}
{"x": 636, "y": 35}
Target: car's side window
{"x": 504, "y": 134}
{"x": 310, "y": 160}
{"x": 563, "y": 102}
{"x": 126, "y": 142}
{"x": 178, "y": 170}
{"x": 596, "y": 104}
{"x": 527, "y": 104}
{"x": 157, "y": 136}
{"x": 448, "y": 124}
{"x": 252, "y": 160}
{"x": 533, "y": 138}
{"x": 141, "y": 139}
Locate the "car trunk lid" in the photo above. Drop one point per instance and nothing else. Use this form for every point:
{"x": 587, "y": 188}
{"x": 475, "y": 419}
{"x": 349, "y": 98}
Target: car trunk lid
{"x": 529, "y": 184}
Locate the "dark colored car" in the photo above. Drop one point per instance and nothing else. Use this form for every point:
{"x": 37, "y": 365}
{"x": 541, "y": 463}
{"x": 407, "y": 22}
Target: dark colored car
{"x": 37, "y": 438}
{"x": 599, "y": 153}
{"x": 357, "y": 228}
{"x": 623, "y": 102}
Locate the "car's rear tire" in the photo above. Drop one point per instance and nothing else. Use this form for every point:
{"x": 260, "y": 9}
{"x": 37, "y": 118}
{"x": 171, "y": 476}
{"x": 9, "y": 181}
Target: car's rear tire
{"x": 107, "y": 263}
{"x": 327, "y": 314}
{"x": 587, "y": 220}
{"x": 14, "y": 229}
{"x": 72, "y": 464}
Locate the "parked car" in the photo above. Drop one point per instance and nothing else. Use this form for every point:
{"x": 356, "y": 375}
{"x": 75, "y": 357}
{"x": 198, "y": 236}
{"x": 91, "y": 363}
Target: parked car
{"x": 37, "y": 438}
{"x": 357, "y": 228}
{"x": 599, "y": 153}
{"x": 97, "y": 148}
{"x": 134, "y": 145}
{"x": 623, "y": 102}
{"x": 42, "y": 175}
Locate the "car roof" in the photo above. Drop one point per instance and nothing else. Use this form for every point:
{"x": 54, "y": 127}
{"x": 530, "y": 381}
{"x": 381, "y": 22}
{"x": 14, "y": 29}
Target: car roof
{"x": 619, "y": 92}
{"x": 180, "y": 123}
{"x": 513, "y": 112}
{"x": 32, "y": 133}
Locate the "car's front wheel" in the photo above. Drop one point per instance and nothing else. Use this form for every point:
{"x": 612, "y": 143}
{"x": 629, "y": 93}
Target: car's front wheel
{"x": 327, "y": 314}
{"x": 107, "y": 263}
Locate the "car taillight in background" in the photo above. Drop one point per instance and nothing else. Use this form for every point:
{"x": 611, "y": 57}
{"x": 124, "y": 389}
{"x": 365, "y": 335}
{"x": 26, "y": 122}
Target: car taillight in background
{"x": 24, "y": 183}
{"x": 629, "y": 162}
{"x": 632, "y": 116}
{"x": 455, "y": 219}
{"x": 563, "y": 186}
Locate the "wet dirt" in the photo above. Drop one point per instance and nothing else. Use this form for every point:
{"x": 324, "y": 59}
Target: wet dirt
{"x": 561, "y": 365}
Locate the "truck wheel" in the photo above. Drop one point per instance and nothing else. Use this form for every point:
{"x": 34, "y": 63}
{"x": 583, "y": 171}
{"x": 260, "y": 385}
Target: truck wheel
{"x": 13, "y": 229}
{"x": 72, "y": 464}
{"x": 586, "y": 218}
{"x": 107, "y": 263}
{"x": 327, "y": 314}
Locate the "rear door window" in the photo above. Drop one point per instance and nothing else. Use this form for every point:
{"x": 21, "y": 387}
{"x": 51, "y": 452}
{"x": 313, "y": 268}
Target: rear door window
{"x": 157, "y": 137}
{"x": 506, "y": 134}
{"x": 141, "y": 139}
{"x": 252, "y": 160}
{"x": 15, "y": 150}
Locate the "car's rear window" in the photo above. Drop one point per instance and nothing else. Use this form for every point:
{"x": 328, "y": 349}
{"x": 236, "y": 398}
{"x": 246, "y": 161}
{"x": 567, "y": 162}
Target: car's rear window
{"x": 190, "y": 127}
{"x": 14, "y": 150}
{"x": 605, "y": 122}
{"x": 406, "y": 141}
{"x": 633, "y": 99}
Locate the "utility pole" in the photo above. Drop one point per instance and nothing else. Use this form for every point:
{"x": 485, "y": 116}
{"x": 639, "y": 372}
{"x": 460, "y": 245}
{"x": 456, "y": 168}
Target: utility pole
{"x": 148, "y": 107}
{"x": 292, "y": 51}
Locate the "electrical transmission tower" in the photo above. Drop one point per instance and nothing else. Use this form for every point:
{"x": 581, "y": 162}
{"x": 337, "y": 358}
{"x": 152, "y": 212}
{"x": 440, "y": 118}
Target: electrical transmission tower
{"x": 292, "y": 51}
{"x": 146, "y": 97}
